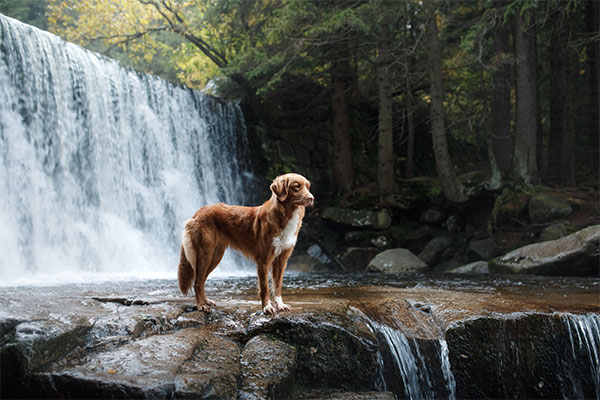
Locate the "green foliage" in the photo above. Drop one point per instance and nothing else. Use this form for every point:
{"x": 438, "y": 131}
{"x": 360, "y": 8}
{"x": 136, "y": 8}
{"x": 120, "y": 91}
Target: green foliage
{"x": 31, "y": 12}
{"x": 281, "y": 53}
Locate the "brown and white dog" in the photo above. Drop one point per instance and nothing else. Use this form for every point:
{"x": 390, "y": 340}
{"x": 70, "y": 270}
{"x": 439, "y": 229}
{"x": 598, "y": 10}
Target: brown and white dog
{"x": 265, "y": 234}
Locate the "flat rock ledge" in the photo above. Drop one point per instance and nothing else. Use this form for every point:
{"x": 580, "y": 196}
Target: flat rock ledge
{"x": 142, "y": 340}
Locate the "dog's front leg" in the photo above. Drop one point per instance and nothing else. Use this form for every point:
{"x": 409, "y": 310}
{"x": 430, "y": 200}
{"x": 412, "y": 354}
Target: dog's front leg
{"x": 263, "y": 285}
{"x": 279, "y": 266}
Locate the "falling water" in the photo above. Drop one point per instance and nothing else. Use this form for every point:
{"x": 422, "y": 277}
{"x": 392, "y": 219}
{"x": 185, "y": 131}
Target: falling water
{"x": 424, "y": 375}
{"x": 100, "y": 165}
{"x": 584, "y": 337}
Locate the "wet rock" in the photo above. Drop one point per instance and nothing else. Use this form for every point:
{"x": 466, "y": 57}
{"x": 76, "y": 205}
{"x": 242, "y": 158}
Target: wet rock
{"x": 124, "y": 318}
{"x": 356, "y": 259}
{"x": 358, "y": 218}
{"x": 553, "y": 232}
{"x": 395, "y": 261}
{"x": 335, "y": 349}
{"x": 476, "y": 268}
{"x": 212, "y": 371}
{"x": 268, "y": 368}
{"x": 192, "y": 319}
{"x": 545, "y": 208}
{"x": 576, "y": 254}
{"x": 432, "y": 252}
{"x": 483, "y": 249}
{"x": 332, "y": 326}
{"x": 31, "y": 345}
{"x": 187, "y": 363}
{"x": 517, "y": 357}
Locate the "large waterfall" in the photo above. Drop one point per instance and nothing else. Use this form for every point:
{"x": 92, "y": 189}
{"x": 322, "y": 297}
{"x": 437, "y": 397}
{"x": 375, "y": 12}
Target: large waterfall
{"x": 100, "y": 165}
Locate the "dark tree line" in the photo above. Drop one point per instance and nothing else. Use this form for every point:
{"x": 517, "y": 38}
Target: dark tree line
{"x": 409, "y": 87}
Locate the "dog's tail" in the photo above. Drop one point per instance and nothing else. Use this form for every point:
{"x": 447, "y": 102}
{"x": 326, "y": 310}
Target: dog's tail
{"x": 186, "y": 272}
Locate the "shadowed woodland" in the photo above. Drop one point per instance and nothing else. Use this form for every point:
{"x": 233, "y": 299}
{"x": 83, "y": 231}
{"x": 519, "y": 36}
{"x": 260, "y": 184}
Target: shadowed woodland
{"x": 370, "y": 98}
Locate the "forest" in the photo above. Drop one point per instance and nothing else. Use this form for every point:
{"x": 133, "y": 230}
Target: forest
{"x": 400, "y": 89}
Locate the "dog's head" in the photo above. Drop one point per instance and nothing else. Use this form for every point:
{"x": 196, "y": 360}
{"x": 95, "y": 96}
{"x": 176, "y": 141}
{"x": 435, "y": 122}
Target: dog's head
{"x": 293, "y": 189}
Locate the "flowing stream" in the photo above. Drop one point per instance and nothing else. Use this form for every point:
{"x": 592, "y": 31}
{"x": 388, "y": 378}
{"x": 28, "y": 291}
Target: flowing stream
{"x": 101, "y": 165}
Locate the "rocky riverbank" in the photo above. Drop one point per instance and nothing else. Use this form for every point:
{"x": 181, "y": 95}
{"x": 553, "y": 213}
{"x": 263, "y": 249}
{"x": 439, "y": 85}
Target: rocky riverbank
{"x": 426, "y": 234}
{"x": 369, "y": 335}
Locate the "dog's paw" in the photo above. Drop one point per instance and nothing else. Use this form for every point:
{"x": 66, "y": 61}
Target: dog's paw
{"x": 283, "y": 307}
{"x": 269, "y": 309}
{"x": 209, "y": 302}
{"x": 280, "y": 305}
{"x": 204, "y": 308}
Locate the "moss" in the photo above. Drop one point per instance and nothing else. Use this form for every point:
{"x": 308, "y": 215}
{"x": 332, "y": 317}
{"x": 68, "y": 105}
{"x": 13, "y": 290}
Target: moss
{"x": 510, "y": 204}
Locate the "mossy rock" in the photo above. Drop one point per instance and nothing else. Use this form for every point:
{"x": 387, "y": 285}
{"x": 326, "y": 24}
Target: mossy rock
{"x": 509, "y": 205}
{"x": 544, "y": 208}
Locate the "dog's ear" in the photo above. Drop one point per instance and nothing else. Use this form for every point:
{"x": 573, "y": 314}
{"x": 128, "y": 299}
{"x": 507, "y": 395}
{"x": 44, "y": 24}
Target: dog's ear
{"x": 280, "y": 187}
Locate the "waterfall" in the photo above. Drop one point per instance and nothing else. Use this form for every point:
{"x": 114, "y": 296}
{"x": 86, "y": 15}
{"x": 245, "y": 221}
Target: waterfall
{"x": 584, "y": 338}
{"x": 424, "y": 371}
{"x": 101, "y": 165}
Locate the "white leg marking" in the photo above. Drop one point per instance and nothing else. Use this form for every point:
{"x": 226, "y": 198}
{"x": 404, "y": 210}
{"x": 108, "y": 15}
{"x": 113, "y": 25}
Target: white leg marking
{"x": 269, "y": 309}
{"x": 281, "y": 306}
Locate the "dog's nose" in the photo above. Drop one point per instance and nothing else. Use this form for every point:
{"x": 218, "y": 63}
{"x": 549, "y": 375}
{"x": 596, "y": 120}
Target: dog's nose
{"x": 311, "y": 199}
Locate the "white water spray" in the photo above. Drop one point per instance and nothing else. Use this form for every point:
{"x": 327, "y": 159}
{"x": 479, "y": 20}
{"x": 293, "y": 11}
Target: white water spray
{"x": 100, "y": 165}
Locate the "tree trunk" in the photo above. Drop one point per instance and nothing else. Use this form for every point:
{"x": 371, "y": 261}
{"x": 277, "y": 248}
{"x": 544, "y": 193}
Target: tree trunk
{"x": 592, "y": 13}
{"x": 386, "y": 178}
{"x": 558, "y": 90}
{"x": 525, "y": 164}
{"x": 343, "y": 172}
{"x": 451, "y": 185}
{"x": 411, "y": 132}
{"x": 567, "y": 160}
{"x": 502, "y": 142}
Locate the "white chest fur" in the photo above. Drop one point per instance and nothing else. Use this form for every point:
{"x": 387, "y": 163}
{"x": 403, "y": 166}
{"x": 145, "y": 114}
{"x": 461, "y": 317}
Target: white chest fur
{"x": 287, "y": 237}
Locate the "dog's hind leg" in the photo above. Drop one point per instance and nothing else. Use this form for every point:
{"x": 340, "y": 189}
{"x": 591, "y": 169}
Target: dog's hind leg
{"x": 209, "y": 254}
{"x": 216, "y": 259}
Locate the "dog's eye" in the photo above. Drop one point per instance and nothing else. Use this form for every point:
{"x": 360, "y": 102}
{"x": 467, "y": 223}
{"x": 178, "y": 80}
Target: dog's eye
{"x": 297, "y": 186}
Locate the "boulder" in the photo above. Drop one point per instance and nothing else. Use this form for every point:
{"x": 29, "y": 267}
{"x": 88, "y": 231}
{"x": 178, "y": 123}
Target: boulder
{"x": 432, "y": 252}
{"x": 545, "y": 208}
{"x": 477, "y": 267}
{"x": 576, "y": 254}
{"x": 356, "y": 259}
{"x": 358, "y": 218}
{"x": 267, "y": 369}
{"x": 432, "y": 216}
{"x": 482, "y": 249}
{"x": 335, "y": 349}
{"x": 395, "y": 261}
{"x": 553, "y": 232}
{"x": 189, "y": 362}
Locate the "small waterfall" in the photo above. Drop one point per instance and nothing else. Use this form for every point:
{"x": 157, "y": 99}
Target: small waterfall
{"x": 584, "y": 337}
{"x": 100, "y": 165}
{"x": 422, "y": 366}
